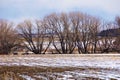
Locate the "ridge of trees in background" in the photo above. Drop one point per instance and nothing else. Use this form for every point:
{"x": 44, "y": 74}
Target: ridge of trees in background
{"x": 67, "y": 32}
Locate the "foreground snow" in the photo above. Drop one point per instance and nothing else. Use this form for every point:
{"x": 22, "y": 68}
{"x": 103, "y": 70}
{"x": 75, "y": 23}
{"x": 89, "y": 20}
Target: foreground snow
{"x": 73, "y": 60}
{"x": 107, "y": 66}
{"x": 78, "y": 75}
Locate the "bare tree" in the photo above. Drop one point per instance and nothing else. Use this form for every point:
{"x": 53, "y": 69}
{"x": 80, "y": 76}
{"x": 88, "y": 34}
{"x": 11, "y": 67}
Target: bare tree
{"x": 107, "y": 37}
{"x": 118, "y": 20}
{"x": 75, "y": 18}
{"x": 34, "y": 36}
{"x": 85, "y": 26}
{"x": 63, "y": 38}
{"x": 94, "y": 30}
{"x": 8, "y": 37}
{"x": 117, "y": 41}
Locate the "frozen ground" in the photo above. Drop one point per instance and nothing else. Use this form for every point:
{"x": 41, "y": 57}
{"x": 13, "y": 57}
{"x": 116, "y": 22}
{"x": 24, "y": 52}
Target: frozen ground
{"x": 73, "y": 60}
{"x": 109, "y": 64}
{"x": 77, "y": 75}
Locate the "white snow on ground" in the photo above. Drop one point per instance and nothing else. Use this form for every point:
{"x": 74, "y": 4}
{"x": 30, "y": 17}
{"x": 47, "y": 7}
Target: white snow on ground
{"x": 101, "y": 61}
{"x": 27, "y": 77}
{"x": 109, "y": 61}
{"x": 82, "y": 74}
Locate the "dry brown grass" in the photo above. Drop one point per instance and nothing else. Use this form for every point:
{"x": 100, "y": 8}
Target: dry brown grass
{"x": 7, "y": 72}
{"x": 14, "y": 72}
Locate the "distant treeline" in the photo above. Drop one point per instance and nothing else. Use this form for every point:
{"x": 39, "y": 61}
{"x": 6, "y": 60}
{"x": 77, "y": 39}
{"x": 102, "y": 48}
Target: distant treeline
{"x": 68, "y": 33}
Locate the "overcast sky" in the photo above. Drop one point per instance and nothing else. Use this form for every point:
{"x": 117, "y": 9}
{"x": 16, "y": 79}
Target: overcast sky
{"x": 18, "y": 10}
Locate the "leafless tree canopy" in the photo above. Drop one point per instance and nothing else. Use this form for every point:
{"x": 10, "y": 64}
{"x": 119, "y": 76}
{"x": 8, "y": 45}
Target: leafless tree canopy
{"x": 73, "y": 29}
{"x": 118, "y": 20}
{"x": 86, "y": 30}
{"x": 34, "y": 36}
{"x": 8, "y": 37}
{"x": 117, "y": 41}
{"x": 107, "y": 40}
{"x": 63, "y": 38}
{"x": 63, "y": 33}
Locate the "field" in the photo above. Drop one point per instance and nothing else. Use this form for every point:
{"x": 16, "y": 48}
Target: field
{"x": 60, "y": 67}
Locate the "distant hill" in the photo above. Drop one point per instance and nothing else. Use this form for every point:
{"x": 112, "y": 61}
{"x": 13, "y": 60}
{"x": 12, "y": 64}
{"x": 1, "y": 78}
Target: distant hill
{"x": 110, "y": 32}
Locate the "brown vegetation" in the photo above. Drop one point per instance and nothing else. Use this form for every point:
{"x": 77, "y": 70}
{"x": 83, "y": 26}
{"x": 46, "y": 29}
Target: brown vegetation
{"x": 66, "y": 32}
{"x": 8, "y": 37}
{"x": 15, "y": 72}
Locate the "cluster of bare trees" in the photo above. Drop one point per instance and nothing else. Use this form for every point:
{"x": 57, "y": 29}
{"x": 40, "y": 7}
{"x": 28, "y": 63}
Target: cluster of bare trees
{"x": 8, "y": 37}
{"x": 67, "y": 32}
{"x": 74, "y": 30}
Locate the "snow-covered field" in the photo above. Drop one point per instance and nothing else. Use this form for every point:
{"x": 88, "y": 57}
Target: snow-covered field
{"x": 71, "y": 60}
{"x": 109, "y": 64}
